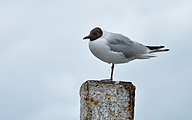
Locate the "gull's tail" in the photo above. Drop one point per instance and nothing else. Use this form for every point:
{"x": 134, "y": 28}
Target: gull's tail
{"x": 152, "y": 49}
{"x": 156, "y": 49}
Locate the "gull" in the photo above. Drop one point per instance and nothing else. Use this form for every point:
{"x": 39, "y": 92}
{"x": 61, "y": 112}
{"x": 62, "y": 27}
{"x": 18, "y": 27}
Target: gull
{"x": 116, "y": 48}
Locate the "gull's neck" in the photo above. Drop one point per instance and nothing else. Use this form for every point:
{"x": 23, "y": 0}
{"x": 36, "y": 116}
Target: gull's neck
{"x": 105, "y": 34}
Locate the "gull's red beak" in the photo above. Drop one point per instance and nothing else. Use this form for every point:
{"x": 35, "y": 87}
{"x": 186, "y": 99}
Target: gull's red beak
{"x": 86, "y": 37}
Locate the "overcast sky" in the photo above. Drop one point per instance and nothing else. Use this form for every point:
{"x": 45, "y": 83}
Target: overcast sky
{"x": 44, "y": 61}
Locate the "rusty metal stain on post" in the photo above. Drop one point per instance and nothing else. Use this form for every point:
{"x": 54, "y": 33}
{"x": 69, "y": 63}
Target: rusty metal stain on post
{"x": 103, "y": 99}
{"x": 131, "y": 90}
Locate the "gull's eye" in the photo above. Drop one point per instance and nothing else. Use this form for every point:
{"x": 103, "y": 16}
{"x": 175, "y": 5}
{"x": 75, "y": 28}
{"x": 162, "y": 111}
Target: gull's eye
{"x": 95, "y": 33}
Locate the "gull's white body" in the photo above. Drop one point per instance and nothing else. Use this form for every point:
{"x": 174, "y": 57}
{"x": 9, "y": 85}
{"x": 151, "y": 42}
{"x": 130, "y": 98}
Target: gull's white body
{"x": 101, "y": 50}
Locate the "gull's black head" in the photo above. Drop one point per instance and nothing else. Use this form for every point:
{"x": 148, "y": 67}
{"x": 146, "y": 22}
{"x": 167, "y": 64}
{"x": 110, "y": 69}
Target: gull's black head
{"x": 94, "y": 34}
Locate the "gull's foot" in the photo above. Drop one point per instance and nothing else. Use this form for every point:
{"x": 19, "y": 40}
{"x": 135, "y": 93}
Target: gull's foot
{"x": 106, "y": 80}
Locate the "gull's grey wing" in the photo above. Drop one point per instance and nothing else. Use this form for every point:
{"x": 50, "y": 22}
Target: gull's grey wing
{"x": 121, "y": 43}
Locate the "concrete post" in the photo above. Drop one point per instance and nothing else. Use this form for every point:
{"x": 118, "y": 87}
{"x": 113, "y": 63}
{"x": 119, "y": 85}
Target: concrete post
{"x": 107, "y": 100}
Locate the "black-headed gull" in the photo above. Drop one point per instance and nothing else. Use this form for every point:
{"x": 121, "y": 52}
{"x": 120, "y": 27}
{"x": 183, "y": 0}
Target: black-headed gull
{"x": 116, "y": 48}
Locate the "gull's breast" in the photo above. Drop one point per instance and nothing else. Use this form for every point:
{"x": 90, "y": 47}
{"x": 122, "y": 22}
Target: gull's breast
{"x": 102, "y": 51}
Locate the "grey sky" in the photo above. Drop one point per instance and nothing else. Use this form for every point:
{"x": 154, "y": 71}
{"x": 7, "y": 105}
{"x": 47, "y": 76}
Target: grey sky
{"x": 44, "y": 61}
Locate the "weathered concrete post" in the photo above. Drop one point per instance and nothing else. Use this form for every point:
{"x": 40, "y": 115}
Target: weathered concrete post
{"x": 107, "y": 100}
